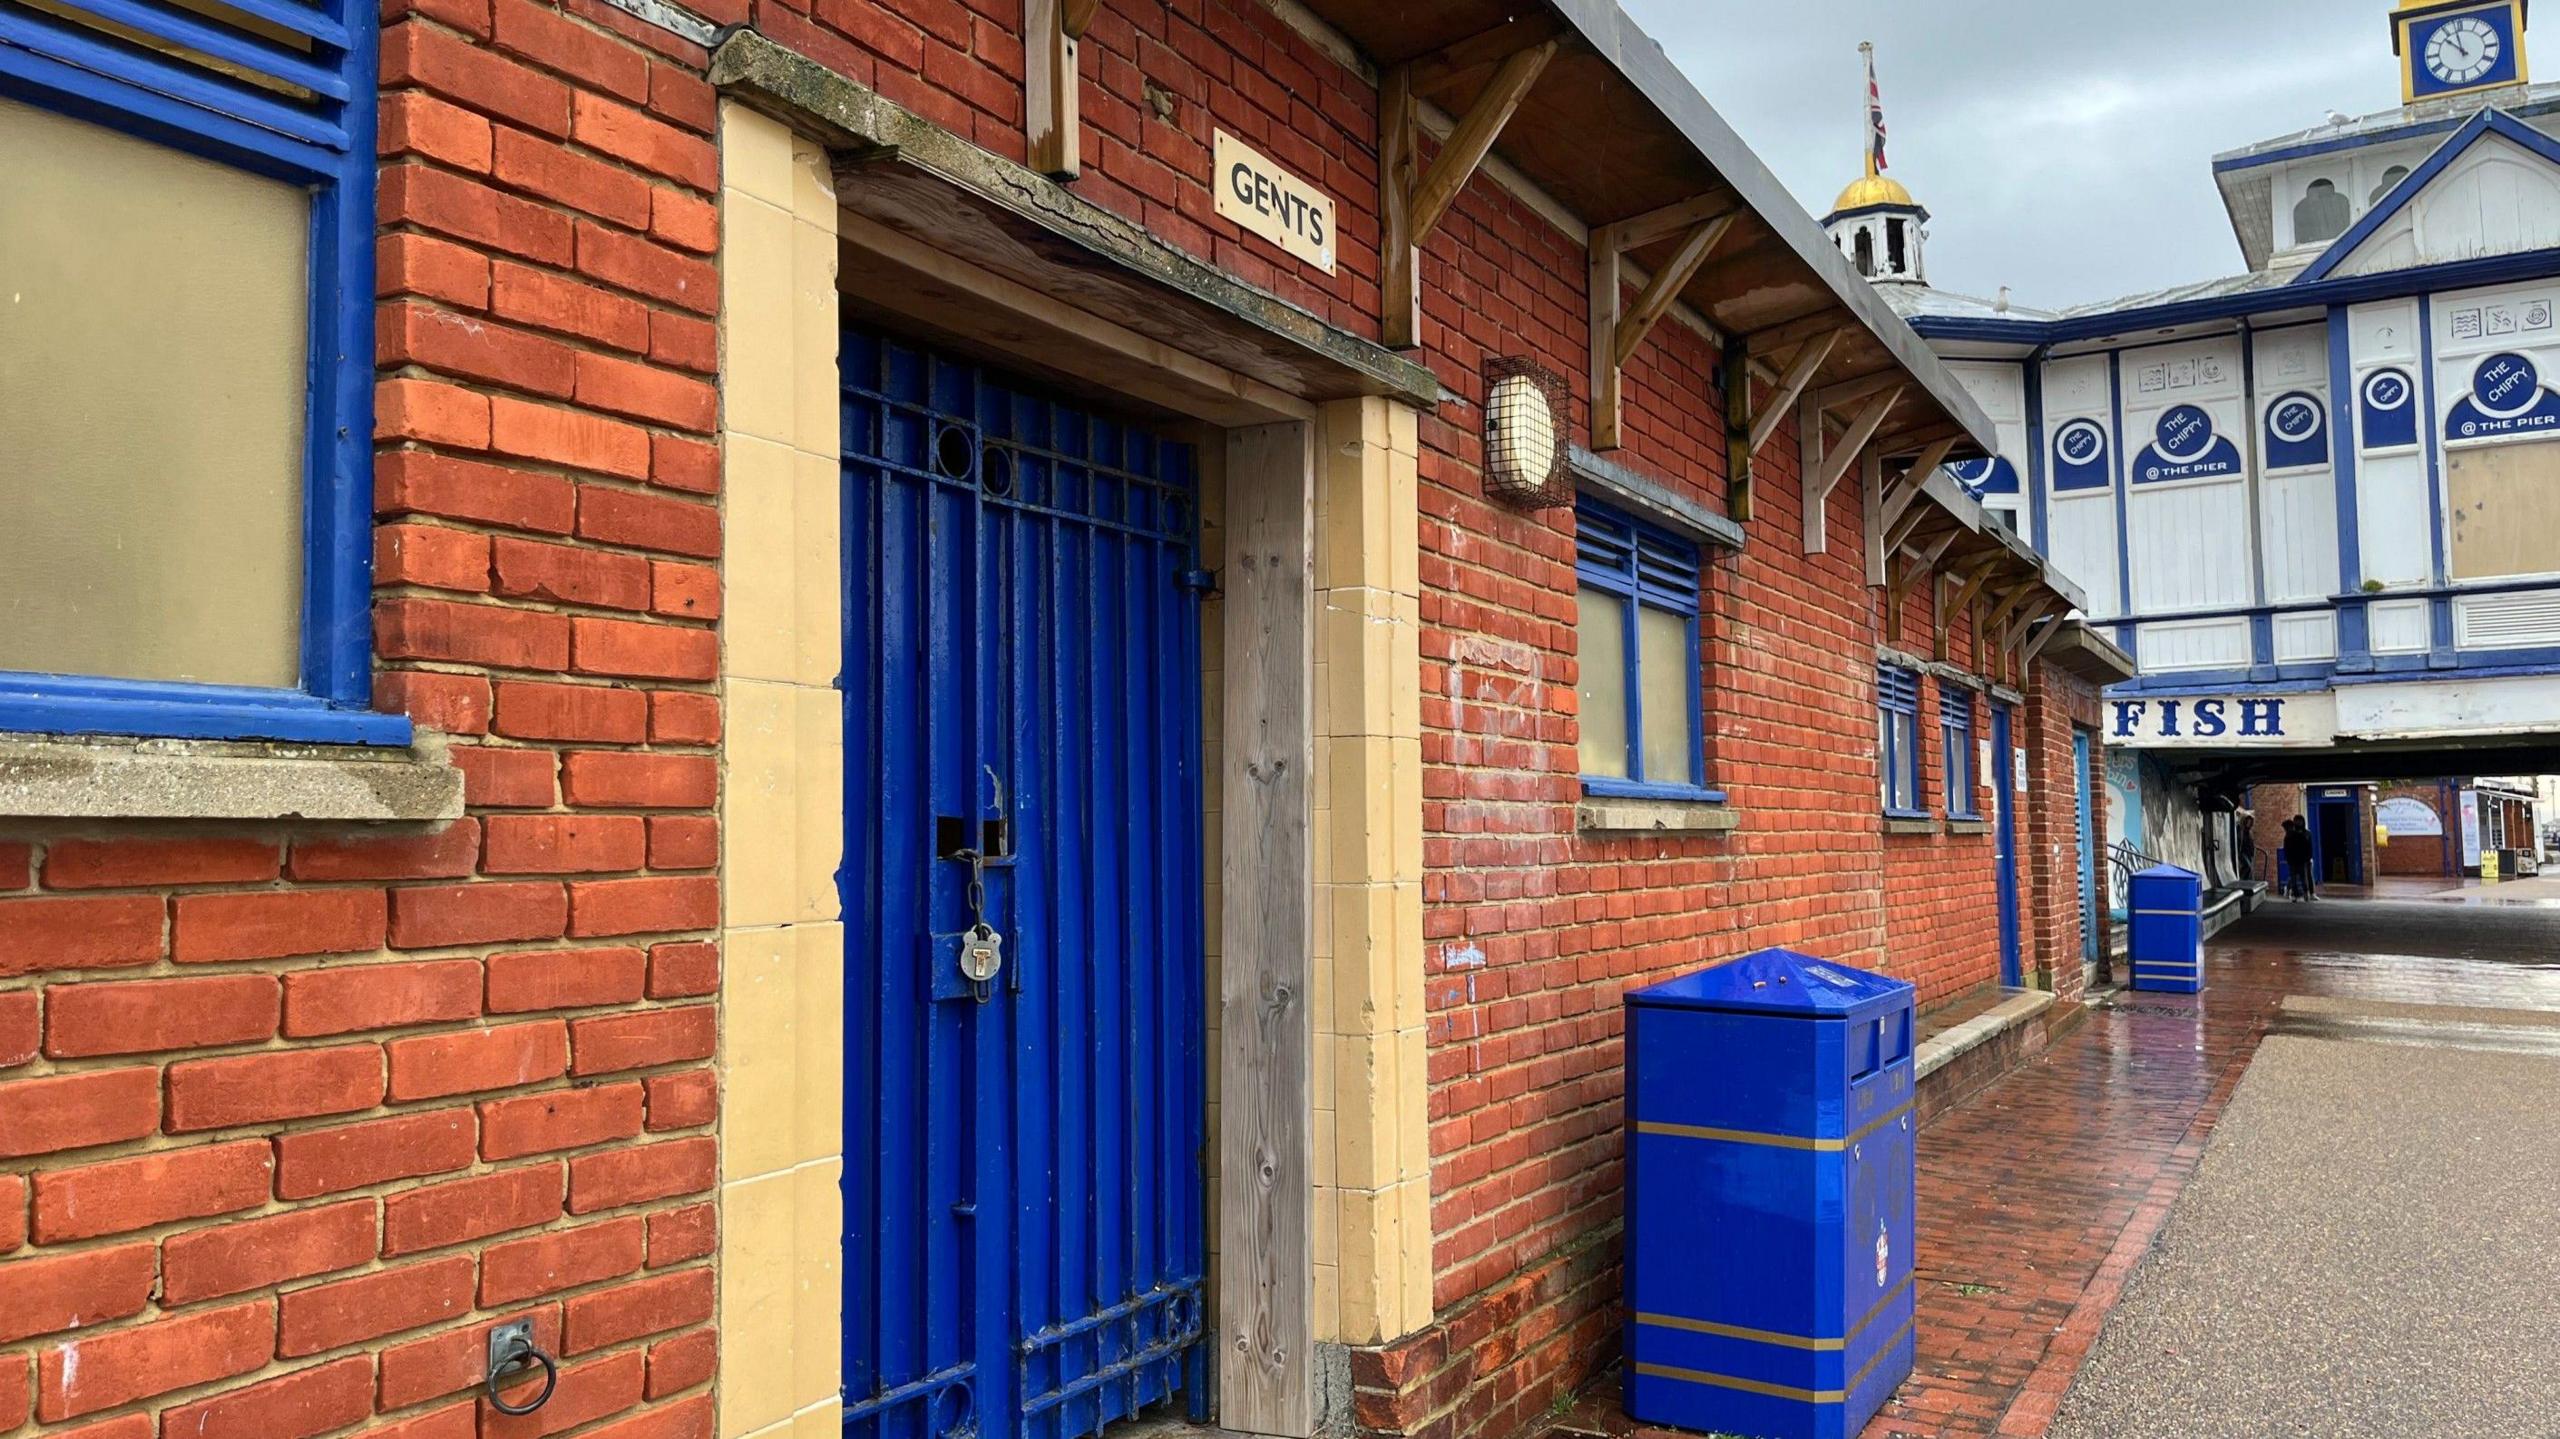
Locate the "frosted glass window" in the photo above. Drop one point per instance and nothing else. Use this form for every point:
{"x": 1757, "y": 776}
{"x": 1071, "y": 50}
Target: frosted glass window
{"x": 153, "y": 373}
{"x": 1670, "y": 693}
{"x": 1603, "y": 625}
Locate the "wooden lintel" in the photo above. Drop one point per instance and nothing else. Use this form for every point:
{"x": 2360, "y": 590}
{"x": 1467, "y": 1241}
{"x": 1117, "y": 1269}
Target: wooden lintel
{"x": 1799, "y": 373}
{"x": 1050, "y": 31}
{"x": 1434, "y": 73}
{"x": 1666, "y": 285}
{"x": 1411, "y": 200}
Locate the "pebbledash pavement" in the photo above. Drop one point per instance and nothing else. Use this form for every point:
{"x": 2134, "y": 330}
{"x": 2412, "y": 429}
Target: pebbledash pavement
{"x": 2041, "y": 1196}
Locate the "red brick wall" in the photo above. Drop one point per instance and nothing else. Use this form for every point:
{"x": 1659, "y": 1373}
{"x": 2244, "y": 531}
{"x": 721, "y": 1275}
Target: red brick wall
{"x": 289, "y": 1114}
{"x": 2414, "y": 854}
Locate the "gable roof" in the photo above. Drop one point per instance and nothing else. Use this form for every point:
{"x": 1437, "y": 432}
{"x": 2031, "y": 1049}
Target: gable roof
{"x": 2472, "y": 131}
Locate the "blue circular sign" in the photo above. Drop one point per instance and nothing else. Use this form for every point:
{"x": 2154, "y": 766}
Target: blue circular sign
{"x": 2505, "y": 384}
{"x": 2295, "y": 417}
{"x": 2079, "y": 442}
{"x": 2184, "y": 433}
{"x": 2386, "y": 389}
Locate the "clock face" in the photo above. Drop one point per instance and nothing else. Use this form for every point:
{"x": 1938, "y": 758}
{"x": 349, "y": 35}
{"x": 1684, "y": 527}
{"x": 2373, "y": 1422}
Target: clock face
{"x": 2462, "y": 50}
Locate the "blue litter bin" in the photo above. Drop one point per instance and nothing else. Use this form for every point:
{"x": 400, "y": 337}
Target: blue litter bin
{"x": 1769, "y": 1197}
{"x": 2165, "y": 938}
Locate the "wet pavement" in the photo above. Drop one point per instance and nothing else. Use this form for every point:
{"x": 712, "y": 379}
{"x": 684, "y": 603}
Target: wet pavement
{"x": 2042, "y": 1197}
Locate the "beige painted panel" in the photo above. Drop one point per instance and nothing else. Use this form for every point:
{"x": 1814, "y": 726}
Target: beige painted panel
{"x": 153, "y": 378}
{"x": 2504, "y": 507}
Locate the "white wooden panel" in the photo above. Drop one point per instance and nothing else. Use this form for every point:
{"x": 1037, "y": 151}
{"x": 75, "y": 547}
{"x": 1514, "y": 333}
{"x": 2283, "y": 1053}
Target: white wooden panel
{"x": 2507, "y": 621}
{"x": 2084, "y": 546}
{"x": 2298, "y": 535}
{"x": 2001, "y": 389}
{"x": 2189, "y": 546}
{"x": 2194, "y": 644}
{"x": 2384, "y": 330}
{"x": 2301, "y": 637}
{"x": 2494, "y": 199}
{"x": 2394, "y": 529}
{"x": 2396, "y": 627}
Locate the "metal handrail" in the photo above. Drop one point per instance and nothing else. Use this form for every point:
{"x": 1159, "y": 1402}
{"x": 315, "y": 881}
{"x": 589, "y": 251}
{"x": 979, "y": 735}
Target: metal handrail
{"x": 2125, "y": 860}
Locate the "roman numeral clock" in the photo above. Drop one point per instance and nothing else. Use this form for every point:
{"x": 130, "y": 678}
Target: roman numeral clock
{"x": 2453, "y": 47}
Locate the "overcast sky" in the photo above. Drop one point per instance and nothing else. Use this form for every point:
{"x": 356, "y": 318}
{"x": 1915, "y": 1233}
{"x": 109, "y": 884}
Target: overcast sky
{"x": 2063, "y": 148}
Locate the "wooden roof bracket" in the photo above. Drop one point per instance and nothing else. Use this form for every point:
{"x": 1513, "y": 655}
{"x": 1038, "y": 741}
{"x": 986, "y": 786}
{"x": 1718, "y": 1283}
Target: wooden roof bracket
{"x": 1050, "y": 31}
{"x": 1968, "y": 585}
{"x": 1411, "y": 200}
{"x": 1825, "y": 470}
{"x": 1616, "y": 328}
{"x": 2041, "y": 638}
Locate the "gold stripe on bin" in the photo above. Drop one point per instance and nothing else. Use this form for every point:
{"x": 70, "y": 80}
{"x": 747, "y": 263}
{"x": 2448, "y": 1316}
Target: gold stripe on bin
{"x": 1779, "y": 1391}
{"x": 1774, "y": 1141}
{"x": 1772, "y": 1336}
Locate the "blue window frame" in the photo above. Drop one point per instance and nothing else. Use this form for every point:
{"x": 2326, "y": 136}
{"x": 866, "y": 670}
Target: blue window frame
{"x": 1643, "y": 727}
{"x": 1898, "y": 725}
{"x": 1955, "y": 735}
{"x": 285, "y": 90}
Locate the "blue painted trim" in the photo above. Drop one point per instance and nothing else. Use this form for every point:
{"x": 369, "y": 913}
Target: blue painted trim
{"x": 2253, "y": 465}
{"x": 1642, "y": 590}
{"x": 1956, "y": 754}
{"x": 2311, "y": 149}
{"x": 1607, "y": 787}
{"x": 79, "y": 704}
{"x": 2470, "y": 664}
{"x": 2485, "y": 122}
{"x": 328, "y": 145}
{"x": 2432, "y": 442}
{"x": 2037, "y": 509}
{"x": 2338, "y": 290}
{"x": 2117, "y": 465}
{"x": 1894, "y": 762}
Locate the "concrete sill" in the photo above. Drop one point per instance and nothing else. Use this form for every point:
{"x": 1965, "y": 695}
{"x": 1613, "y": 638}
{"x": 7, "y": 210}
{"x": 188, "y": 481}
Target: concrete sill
{"x": 1938, "y": 1050}
{"x": 1597, "y": 815}
{"x": 1914, "y": 824}
{"x": 1968, "y": 826}
{"x": 85, "y": 777}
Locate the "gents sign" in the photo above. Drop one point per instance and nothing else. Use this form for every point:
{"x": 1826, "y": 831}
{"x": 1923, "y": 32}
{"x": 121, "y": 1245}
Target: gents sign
{"x": 2219, "y": 721}
{"x": 1271, "y": 202}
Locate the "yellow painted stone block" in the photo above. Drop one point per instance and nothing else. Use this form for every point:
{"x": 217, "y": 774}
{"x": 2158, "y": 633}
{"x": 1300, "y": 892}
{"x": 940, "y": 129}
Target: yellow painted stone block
{"x": 1365, "y": 1104}
{"x": 1413, "y": 1207}
{"x": 1359, "y": 785}
{"x": 818, "y": 824}
{"x": 759, "y": 621}
{"x": 759, "y": 1303}
{"x": 1404, "y": 810}
{"x": 814, "y": 392}
{"x": 813, "y": 182}
{"x": 761, "y": 803}
{"x": 817, "y": 957}
{"x": 1361, "y": 919}
{"x": 1413, "y": 1110}
{"x": 760, "y": 1055}
{"x": 817, "y": 1332}
{"x": 756, "y": 154}
{"x": 756, "y": 317}
{"x": 1404, "y": 907}
{"x": 817, "y": 564}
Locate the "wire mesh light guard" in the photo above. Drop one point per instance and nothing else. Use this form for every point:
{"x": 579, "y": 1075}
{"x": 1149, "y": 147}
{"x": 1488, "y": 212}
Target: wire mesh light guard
{"x": 1525, "y": 463}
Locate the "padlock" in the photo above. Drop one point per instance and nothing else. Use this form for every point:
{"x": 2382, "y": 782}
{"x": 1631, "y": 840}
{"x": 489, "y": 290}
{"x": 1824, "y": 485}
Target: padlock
{"x": 981, "y": 954}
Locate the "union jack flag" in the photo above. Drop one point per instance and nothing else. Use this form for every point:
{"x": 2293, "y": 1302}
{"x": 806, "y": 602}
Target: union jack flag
{"x": 1875, "y": 115}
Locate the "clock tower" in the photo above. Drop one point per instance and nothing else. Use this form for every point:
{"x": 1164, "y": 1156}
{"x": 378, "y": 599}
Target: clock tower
{"x": 2457, "y": 47}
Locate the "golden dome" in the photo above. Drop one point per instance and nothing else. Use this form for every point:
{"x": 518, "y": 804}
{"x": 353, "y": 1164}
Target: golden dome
{"x": 1869, "y": 190}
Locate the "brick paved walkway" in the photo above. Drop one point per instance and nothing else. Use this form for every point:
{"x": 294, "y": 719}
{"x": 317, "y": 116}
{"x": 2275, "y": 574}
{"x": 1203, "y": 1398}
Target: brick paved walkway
{"x": 2039, "y": 1197}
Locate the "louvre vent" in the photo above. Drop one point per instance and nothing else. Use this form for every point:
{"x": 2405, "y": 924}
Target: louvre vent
{"x": 2507, "y": 621}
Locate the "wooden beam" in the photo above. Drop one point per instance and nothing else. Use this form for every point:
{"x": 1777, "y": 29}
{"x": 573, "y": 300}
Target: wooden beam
{"x": 1861, "y": 430}
{"x": 1051, "y": 30}
{"x": 1913, "y": 438}
{"x": 1606, "y": 305}
{"x": 1473, "y": 136}
{"x": 1738, "y": 497}
{"x": 1435, "y": 72}
{"x": 2041, "y": 638}
{"x": 1871, "y": 480}
{"x": 1780, "y": 338}
{"x": 1412, "y": 200}
{"x": 1399, "y": 242}
{"x": 1637, "y": 231}
{"x": 1266, "y": 1148}
{"x": 1666, "y": 284}
{"x": 1847, "y": 391}
{"x": 1809, "y": 453}
{"x": 1799, "y": 373}
{"x": 1616, "y": 329}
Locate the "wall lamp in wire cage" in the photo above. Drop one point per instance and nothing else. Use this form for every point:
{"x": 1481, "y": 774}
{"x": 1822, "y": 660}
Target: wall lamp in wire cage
{"x": 1525, "y": 460}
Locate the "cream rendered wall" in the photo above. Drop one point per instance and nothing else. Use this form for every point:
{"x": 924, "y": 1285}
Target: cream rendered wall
{"x": 782, "y": 822}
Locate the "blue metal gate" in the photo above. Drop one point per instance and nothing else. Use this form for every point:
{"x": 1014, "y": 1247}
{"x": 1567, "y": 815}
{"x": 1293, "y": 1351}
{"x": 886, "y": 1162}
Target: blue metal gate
{"x": 1023, "y": 1248}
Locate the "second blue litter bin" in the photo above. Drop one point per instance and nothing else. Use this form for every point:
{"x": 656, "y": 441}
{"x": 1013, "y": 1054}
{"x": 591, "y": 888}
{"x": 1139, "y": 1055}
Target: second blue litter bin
{"x": 1769, "y": 1197}
{"x": 2165, "y": 929}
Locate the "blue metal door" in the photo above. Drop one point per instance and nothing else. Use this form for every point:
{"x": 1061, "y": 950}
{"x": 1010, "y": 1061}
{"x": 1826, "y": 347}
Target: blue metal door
{"x": 2083, "y": 795}
{"x": 1023, "y": 1249}
{"x": 2004, "y": 839}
